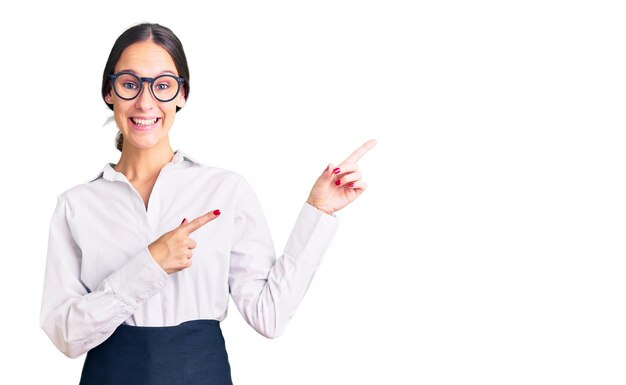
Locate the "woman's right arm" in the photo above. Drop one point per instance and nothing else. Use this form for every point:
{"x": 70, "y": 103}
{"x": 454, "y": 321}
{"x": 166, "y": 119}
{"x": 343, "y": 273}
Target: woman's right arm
{"x": 75, "y": 318}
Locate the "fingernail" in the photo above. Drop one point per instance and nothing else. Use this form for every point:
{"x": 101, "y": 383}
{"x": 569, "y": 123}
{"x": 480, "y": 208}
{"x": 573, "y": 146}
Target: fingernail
{"x": 184, "y": 220}
{"x": 351, "y": 184}
{"x": 327, "y": 167}
{"x": 216, "y": 212}
{"x": 337, "y": 182}
{"x": 336, "y": 171}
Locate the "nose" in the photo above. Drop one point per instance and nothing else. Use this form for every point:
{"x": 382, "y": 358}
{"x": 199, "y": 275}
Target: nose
{"x": 145, "y": 100}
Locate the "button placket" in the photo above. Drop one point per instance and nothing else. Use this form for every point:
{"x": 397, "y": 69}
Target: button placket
{"x": 150, "y": 215}
{"x": 153, "y": 212}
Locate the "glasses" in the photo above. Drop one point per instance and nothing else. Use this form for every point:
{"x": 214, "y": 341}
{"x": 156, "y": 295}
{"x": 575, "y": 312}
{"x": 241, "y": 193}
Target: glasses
{"x": 164, "y": 88}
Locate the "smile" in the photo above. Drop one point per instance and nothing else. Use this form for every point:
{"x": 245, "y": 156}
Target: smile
{"x": 143, "y": 124}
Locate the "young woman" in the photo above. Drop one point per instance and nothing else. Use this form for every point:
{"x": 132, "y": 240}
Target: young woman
{"x": 142, "y": 258}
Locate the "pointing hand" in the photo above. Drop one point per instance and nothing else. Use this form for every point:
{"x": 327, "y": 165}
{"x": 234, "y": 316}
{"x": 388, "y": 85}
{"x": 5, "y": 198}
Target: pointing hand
{"x": 172, "y": 251}
{"x": 338, "y": 186}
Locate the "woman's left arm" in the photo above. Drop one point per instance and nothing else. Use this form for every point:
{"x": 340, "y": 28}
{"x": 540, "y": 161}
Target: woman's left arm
{"x": 267, "y": 290}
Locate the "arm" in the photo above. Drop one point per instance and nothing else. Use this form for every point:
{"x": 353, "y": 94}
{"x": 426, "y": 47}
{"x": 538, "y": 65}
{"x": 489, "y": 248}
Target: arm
{"x": 267, "y": 290}
{"x": 75, "y": 318}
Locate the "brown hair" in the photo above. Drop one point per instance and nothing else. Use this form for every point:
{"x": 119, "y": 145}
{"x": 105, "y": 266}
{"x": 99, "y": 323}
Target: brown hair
{"x": 161, "y": 36}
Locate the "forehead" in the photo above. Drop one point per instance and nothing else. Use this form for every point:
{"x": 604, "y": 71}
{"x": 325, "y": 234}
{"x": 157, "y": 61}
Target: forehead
{"x": 146, "y": 59}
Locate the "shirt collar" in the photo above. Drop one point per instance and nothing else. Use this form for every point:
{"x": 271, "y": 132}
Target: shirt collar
{"x": 110, "y": 174}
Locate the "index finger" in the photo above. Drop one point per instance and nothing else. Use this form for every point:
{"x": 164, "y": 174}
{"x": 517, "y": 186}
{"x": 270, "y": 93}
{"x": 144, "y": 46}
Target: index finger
{"x": 359, "y": 152}
{"x": 200, "y": 221}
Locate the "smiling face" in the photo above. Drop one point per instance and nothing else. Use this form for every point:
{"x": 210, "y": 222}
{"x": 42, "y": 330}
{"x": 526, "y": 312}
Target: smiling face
{"x": 145, "y": 121}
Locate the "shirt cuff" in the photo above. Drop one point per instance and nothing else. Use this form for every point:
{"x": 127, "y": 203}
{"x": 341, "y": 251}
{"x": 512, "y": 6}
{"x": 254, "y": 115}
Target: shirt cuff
{"x": 311, "y": 235}
{"x": 138, "y": 280}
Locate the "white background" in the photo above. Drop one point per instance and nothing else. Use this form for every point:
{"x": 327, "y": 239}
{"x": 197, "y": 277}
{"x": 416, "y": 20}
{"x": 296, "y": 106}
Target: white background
{"x": 489, "y": 247}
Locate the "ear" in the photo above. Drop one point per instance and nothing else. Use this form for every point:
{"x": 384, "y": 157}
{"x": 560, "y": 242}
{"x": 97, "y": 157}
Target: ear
{"x": 181, "y": 98}
{"x": 108, "y": 98}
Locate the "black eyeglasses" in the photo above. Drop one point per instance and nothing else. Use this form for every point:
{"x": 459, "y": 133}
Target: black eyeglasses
{"x": 164, "y": 88}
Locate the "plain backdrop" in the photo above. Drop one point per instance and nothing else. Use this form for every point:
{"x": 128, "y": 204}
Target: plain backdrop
{"x": 489, "y": 247}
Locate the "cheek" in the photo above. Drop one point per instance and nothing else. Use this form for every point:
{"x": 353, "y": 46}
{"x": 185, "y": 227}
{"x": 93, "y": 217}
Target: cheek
{"x": 168, "y": 120}
{"x": 170, "y": 115}
{"x": 119, "y": 109}
{"x": 120, "y": 114}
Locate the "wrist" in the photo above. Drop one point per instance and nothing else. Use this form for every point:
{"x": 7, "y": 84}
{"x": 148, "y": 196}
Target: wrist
{"x": 156, "y": 254}
{"x": 322, "y": 209}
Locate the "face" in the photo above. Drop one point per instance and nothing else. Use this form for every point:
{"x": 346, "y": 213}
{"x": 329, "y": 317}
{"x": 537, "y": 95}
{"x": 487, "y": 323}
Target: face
{"x": 145, "y": 121}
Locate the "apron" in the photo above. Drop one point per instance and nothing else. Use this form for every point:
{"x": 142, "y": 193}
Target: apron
{"x": 193, "y": 352}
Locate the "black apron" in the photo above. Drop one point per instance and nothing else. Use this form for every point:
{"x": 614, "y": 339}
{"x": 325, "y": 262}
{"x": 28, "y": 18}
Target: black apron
{"x": 193, "y": 352}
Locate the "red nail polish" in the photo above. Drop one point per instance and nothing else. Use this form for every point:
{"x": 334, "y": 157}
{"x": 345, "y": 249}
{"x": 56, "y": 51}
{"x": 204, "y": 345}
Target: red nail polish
{"x": 351, "y": 184}
{"x": 336, "y": 171}
{"x": 216, "y": 212}
{"x": 338, "y": 182}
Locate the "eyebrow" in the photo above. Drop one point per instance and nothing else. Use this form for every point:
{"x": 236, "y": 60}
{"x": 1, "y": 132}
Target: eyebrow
{"x": 136, "y": 73}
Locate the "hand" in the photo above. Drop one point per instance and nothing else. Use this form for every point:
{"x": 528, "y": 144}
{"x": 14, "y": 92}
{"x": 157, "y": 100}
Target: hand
{"x": 172, "y": 251}
{"x": 328, "y": 196}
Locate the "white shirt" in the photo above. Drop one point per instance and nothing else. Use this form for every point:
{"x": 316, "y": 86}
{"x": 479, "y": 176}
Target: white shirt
{"x": 100, "y": 273}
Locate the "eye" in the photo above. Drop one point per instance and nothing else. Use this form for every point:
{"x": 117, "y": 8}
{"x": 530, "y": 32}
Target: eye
{"x": 130, "y": 85}
{"x": 162, "y": 86}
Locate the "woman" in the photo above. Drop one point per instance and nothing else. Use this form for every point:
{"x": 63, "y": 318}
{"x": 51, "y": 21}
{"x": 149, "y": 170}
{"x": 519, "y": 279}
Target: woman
{"x": 141, "y": 292}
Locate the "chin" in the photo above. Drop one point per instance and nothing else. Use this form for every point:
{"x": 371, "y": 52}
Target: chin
{"x": 142, "y": 141}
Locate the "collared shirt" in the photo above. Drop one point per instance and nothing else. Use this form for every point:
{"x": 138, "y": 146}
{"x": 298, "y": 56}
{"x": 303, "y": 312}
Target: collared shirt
{"x": 100, "y": 273}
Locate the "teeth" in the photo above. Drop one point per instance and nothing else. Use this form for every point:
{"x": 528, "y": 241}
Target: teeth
{"x": 141, "y": 122}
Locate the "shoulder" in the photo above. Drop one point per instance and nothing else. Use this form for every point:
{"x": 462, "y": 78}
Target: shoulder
{"x": 80, "y": 194}
{"x": 220, "y": 177}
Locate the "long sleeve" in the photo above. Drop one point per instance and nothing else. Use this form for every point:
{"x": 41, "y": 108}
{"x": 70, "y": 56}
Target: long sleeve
{"x": 75, "y": 318}
{"x": 266, "y": 289}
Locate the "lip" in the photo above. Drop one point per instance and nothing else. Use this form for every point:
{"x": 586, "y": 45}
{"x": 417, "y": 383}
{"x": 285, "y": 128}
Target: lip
{"x": 139, "y": 128}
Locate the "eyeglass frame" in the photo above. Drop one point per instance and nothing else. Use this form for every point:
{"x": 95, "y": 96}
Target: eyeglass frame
{"x": 113, "y": 77}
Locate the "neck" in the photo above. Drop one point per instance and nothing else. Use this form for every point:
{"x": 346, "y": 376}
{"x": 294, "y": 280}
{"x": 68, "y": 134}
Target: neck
{"x": 142, "y": 164}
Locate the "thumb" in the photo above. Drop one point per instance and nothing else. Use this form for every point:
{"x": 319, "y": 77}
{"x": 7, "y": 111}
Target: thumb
{"x": 328, "y": 173}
